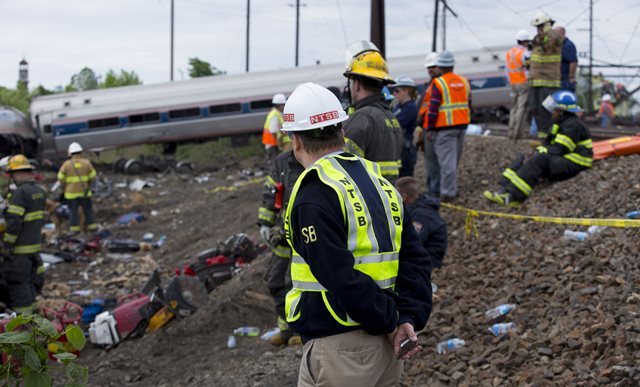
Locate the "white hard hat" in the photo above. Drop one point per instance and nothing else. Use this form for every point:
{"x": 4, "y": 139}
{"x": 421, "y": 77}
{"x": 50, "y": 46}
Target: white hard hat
{"x": 356, "y": 48}
{"x": 4, "y": 163}
{"x": 431, "y": 59}
{"x": 445, "y": 59}
{"x": 311, "y": 106}
{"x": 404, "y": 81}
{"x": 279, "y": 99}
{"x": 522, "y": 35}
{"x": 74, "y": 147}
{"x": 541, "y": 18}
{"x": 606, "y": 98}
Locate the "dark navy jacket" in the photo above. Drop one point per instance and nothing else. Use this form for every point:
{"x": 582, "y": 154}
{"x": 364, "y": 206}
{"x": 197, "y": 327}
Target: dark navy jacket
{"x": 431, "y": 228}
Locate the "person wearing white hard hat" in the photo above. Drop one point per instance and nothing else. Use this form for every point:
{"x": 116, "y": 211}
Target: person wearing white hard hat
{"x": 272, "y": 124}
{"x": 544, "y": 70}
{"x": 405, "y": 92}
{"x": 432, "y": 169}
{"x": 448, "y": 115}
{"x": 569, "y": 64}
{"x": 360, "y": 275}
{"x": 76, "y": 176}
{"x": 516, "y": 67}
{"x": 606, "y": 113}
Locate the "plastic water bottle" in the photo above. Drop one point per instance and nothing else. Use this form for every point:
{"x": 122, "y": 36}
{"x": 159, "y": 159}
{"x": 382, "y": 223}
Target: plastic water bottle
{"x": 499, "y": 310}
{"x": 449, "y": 345}
{"x": 503, "y": 328}
{"x": 595, "y": 229}
{"x": 147, "y": 237}
{"x": 269, "y": 334}
{"x": 633, "y": 215}
{"x": 575, "y": 235}
{"x": 161, "y": 241}
{"x": 231, "y": 342}
{"x": 247, "y": 331}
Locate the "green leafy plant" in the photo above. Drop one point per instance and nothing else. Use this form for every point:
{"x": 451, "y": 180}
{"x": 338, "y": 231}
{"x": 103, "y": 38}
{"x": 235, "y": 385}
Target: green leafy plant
{"x": 26, "y": 345}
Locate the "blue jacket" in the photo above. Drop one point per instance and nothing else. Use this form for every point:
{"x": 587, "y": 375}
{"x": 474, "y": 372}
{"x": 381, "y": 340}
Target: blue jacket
{"x": 407, "y": 115}
{"x": 431, "y": 228}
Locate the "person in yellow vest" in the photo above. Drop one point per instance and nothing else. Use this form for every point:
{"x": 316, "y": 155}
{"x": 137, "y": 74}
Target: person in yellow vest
{"x": 272, "y": 125}
{"x": 515, "y": 64}
{"x": 544, "y": 70}
{"x": 76, "y": 176}
{"x": 21, "y": 268}
{"x": 447, "y": 119}
{"x": 361, "y": 278}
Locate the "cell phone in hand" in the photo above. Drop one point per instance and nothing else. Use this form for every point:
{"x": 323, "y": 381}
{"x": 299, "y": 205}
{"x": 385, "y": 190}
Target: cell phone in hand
{"x": 406, "y": 346}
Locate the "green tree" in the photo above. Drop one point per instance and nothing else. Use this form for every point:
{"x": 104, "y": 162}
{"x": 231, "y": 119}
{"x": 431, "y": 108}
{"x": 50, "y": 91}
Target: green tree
{"x": 84, "y": 80}
{"x": 200, "y": 68}
{"x": 18, "y": 98}
{"x": 125, "y": 78}
{"x": 40, "y": 91}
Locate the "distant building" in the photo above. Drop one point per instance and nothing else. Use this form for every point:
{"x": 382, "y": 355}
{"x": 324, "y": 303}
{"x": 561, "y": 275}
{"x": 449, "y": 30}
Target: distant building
{"x": 23, "y": 74}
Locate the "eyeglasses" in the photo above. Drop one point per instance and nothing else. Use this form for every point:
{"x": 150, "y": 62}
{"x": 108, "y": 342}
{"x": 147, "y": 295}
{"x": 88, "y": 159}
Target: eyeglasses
{"x": 395, "y": 91}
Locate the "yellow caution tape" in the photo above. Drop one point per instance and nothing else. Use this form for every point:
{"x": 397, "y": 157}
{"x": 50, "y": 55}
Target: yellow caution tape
{"x": 470, "y": 224}
{"x": 238, "y": 185}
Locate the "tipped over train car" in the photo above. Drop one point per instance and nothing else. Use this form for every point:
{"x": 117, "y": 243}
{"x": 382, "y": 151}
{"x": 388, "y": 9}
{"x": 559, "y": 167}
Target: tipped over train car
{"x": 16, "y": 134}
{"x": 226, "y": 105}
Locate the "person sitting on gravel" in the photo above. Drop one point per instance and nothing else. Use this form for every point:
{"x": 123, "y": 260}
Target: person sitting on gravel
{"x": 360, "y": 275}
{"x": 275, "y": 196}
{"x": 566, "y": 152}
{"x": 431, "y": 228}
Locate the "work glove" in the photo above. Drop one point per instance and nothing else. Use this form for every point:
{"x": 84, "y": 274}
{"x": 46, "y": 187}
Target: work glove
{"x": 277, "y": 236}
{"x": 265, "y": 233}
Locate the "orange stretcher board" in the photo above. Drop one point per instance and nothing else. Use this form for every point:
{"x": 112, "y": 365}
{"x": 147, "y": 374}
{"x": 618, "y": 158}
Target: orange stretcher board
{"x": 619, "y": 146}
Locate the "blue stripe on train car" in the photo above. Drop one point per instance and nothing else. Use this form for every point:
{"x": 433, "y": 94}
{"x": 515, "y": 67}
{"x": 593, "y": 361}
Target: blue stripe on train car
{"x": 479, "y": 83}
{"x": 204, "y": 112}
{"x": 71, "y": 128}
{"x": 164, "y": 117}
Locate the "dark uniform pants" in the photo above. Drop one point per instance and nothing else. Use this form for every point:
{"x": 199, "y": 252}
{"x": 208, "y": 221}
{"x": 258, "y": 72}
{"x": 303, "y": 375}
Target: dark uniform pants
{"x": 541, "y": 165}
{"x": 74, "y": 217}
{"x": 19, "y": 273}
{"x": 541, "y": 115}
{"x": 408, "y": 158}
{"x": 279, "y": 282}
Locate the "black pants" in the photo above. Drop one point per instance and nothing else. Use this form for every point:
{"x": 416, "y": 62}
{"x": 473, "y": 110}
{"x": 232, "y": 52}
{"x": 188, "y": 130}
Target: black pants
{"x": 541, "y": 165}
{"x": 408, "y": 158}
{"x": 279, "y": 282}
{"x": 541, "y": 115}
{"x": 74, "y": 216}
{"x": 19, "y": 272}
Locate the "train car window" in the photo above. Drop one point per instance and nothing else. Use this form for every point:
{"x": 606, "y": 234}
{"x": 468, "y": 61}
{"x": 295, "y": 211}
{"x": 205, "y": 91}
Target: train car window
{"x": 142, "y": 118}
{"x": 47, "y": 129}
{"x": 104, "y": 122}
{"x": 475, "y": 59}
{"x": 87, "y": 101}
{"x": 228, "y": 108}
{"x": 67, "y": 103}
{"x": 261, "y": 104}
{"x": 184, "y": 113}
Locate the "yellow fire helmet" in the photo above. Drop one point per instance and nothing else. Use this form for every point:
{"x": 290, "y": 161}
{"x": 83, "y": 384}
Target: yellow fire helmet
{"x": 369, "y": 64}
{"x": 19, "y": 163}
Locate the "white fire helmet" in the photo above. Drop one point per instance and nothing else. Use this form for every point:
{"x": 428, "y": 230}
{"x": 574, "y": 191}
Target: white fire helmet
{"x": 311, "y": 106}
{"x": 279, "y": 99}
{"x": 74, "y": 147}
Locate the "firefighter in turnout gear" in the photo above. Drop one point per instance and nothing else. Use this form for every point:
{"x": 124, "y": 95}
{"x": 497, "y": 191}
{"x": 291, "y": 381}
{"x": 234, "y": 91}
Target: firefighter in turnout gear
{"x": 360, "y": 275}
{"x": 277, "y": 190}
{"x": 566, "y": 152}
{"x": 76, "y": 176}
{"x": 372, "y": 131}
{"x": 22, "y": 268}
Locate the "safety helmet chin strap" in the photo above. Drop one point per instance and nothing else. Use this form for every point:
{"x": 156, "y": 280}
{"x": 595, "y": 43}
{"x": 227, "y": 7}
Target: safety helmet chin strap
{"x": 347, "y": 90}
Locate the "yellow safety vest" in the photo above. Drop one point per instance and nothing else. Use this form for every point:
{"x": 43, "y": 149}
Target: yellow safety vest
{"x": 381, "y": 266}
{"x": 269, "y": 138}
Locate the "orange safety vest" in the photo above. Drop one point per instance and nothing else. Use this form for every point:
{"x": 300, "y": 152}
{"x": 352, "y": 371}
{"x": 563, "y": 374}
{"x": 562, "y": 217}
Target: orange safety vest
{"x": 515, "y": 65}
{"x": 455, "y": 91}
{"x": 269, "y": 138}
{"x": 424, "y": 107}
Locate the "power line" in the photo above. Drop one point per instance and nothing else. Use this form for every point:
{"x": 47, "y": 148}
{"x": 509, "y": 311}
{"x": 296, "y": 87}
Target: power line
{"x": 512, "y": 10}
{"x": 463, "y": 22}
{"x": 635, "y": 29}
{"x": 344, "y": 31}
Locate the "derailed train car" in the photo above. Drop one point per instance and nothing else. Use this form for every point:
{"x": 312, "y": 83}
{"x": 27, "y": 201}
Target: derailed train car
{"x": 226, "y": 105}
{"x": 16, "y": 134}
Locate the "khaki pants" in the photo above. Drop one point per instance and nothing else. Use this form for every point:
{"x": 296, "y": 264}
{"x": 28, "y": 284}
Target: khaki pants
{"x": 518, "y": 114}
{"x": 352, "y": 359}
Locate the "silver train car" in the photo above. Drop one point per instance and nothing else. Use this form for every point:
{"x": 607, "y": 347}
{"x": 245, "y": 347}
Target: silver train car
{"x": 16, "y": 134}
{"x": 226, "y": 105}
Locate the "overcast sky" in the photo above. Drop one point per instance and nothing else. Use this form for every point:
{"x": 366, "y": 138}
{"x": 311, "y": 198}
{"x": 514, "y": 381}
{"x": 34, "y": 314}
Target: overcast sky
{"x": 60, "y": 37}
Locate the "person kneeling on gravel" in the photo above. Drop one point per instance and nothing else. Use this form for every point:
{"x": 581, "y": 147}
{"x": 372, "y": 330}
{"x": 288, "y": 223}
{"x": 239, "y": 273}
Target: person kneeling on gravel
{"x": 566, "y": 152}
{"x": 431, "y": 228}
{"x": 361, "y": 278}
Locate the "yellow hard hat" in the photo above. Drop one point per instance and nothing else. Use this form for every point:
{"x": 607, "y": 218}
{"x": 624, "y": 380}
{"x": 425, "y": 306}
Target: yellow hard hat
{"x": 19, "y": 163}
{"x": 369, "y": 64}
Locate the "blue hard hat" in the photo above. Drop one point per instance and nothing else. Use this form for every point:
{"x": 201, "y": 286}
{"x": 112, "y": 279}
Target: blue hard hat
{"x": 562, "y": 100}
{"x": 445, "y": 59}
{"x": 387, "y": 94}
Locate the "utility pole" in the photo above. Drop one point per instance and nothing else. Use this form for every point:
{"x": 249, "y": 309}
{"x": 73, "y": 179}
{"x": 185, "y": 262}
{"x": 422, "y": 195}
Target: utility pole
{"x": 590, "y": 90}
{"x": 246, "y": 65}
{"x": 297, "y": 29}
{"x": 172, "y": 12}
{"x": 377, "y": 32}
{"x": 435, "y": 27}
{"x": 445, "y": 8}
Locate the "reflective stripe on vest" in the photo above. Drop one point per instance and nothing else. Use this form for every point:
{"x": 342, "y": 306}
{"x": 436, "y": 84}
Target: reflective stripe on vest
{"x": 15, "y": 210}
{"x": 374, "y": 242}
{"x": 35, "y": 215}
{"x": 579, "y": 159}
{"x": 454, "y": 109}
{"x": 26, "y": 249}
{"x": 269, "y": 138}
{"x": 515, "y": 65}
